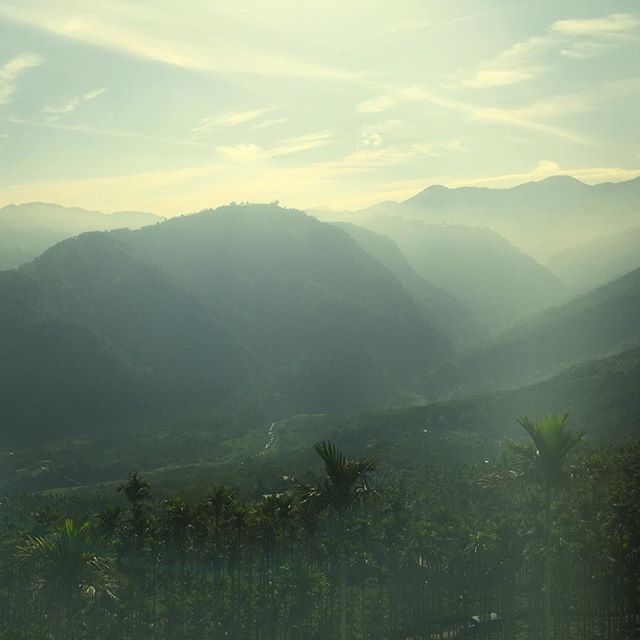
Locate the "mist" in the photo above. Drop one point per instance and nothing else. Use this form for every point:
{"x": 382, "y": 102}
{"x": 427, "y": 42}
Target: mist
{"x": 319, "y": 321}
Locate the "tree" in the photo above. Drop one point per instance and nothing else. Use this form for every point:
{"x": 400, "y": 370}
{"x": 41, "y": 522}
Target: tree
{"x": 68, "y": 570}
{"x": 345, "y": 486}
{"x": 136, "y": 491}
{"x": 552, "y": 441}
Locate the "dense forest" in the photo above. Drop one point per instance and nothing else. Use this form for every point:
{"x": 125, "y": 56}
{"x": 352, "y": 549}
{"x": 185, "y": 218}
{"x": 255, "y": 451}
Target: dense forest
{"x": 538, "y": 542}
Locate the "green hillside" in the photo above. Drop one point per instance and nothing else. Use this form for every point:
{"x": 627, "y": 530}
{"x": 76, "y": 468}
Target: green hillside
{"x": 597, "y": 323}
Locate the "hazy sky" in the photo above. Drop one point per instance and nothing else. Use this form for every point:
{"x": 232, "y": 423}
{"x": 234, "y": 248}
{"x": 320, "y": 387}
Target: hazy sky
{"x": 175, "y": 106}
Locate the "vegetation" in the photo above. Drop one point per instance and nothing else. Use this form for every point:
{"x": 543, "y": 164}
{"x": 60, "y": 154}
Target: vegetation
{"x": 445, "y": 551}
{"x": 211, "y": 352}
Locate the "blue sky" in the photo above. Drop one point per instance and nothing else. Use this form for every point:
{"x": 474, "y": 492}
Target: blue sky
{"x": 173, "y": 107}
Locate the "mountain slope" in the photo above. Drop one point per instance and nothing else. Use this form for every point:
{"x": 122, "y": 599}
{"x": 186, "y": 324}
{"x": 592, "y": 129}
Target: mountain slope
{"x": 290, "y": 285}
{"x": 445, "y": 311}
{"x": 599, "y": 260}
{"x": 479, "y": 267}
{"x": 249, "y": 310}
{"x": 58, "y": 375}
{"x": 595, "y": 324}
{"x": 162, "y": 328}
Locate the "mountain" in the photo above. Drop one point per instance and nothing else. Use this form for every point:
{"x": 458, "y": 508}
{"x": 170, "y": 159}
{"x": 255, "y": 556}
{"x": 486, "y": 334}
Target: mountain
{"x": 26, "y": 230}
{"x": 601, "y": 397}
{"x": 57, "y": 374}
{"x": 499, "y": 284}
{"x": 599, "y": 260}
{"x": 246, "y": 308}
{"x": 445, "y": 311}
{"x": 541, "y": 218}
{"x": 595, "y": 324}
{"x": 296, "y": 290}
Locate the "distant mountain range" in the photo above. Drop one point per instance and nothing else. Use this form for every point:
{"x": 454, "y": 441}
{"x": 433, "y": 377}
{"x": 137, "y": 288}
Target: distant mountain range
{"x": 26, "y": 230}
{"x": 541, "y": 218}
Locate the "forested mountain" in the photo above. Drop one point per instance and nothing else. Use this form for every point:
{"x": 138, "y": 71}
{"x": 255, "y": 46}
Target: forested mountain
{"x": 446, "y": 311}
{"x": 246, "y": 304}
{"x": 597, "y": 323}
{"x": 26, "y": 230}
{"x": 598, "y": 260}
{"x": 301, "y": 295}
{"x": 57, "y": 374}
{"x": 476, "y": 265}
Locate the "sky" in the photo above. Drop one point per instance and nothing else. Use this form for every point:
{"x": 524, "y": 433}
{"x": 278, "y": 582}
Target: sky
{"x": 174, "y": 107}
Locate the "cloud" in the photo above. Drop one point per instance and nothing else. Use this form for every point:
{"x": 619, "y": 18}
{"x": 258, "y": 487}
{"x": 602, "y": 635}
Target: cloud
{"x": 145, "y": 32}
{"x": 575, "y": 38}
{"x": 525, "y": 118}
{"x": 498, "y": 77}
{"x": 376, "y": 105}
{"x": 616, "y": 24}
{"x": 521, "y": 118}
{"x": 373, "y": 135}
{"x": 253, "y": 152}
{"x": 69, "y": 106}
{"x": 11, "y": 72}
{"x": 269, "y": 123}
{"x": 229, "y": 119}
{"x": 377, "y": 157}
{"x": 92, "y": 95}
{"x": 53, "y": 124}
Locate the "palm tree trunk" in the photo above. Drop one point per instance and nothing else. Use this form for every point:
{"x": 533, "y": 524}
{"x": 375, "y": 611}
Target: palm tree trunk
{"x": 548, "y": 569}
{"x": 342, "y": 577}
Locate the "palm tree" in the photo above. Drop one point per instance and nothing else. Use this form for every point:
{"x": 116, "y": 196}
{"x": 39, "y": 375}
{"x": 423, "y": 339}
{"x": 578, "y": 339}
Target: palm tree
{"x": 108, "y": 522}
{"x": 552, "y": 441}
{"x": 345, "y": 486}
{"x": 68, "y": 569}
{"x": 136, "y": 491}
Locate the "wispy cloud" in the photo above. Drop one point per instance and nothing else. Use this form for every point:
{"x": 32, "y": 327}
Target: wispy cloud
{"x": 111, "y": 27}
{"x": 614, "y": 25}
{"x": 498, "y": 77}
{"x": 253, "y": 152}
{"x": 69, "y": 106}
{"x": 230, "y": 119}
{"x": 269, "y": 123}
{"x": 575, "y": 38}
{"x": 102, "y": 133}
{"x": 11, "y": 72}
{"x": 525, "y": 118}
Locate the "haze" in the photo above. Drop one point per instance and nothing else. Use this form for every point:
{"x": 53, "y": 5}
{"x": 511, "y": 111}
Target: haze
{"x": 119, "y": 105}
